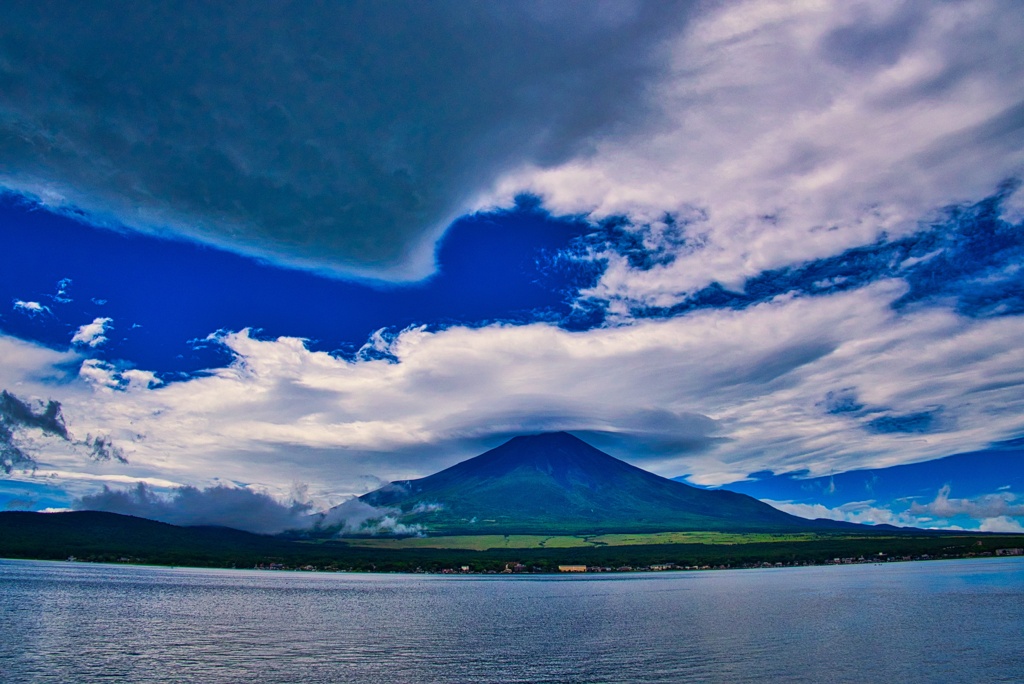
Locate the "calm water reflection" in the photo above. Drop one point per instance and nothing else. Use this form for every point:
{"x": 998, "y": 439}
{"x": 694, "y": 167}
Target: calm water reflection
{"x": 938, "y": 621}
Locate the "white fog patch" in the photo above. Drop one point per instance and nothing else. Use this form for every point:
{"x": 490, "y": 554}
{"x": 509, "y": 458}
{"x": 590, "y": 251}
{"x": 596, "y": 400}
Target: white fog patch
{"x": 358, "y": 517}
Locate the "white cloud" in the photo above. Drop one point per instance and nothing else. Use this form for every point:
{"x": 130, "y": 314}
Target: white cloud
{"x": 861, "y": 512}
{"x": 27, "y": 364}
{"x": 717, "y": 394}
{"x": 103, "y": 374}
{"x": 1001, "y": 524}
{"x": 358, "y": 517}
{"x": 870, "y": 513}
{"x": 30, "y": 308}
{"x": 109, "y": 478}
{"x": 988, "y": 506}
{"x": 92, "y": 334}
{"x": 793, "y": 131}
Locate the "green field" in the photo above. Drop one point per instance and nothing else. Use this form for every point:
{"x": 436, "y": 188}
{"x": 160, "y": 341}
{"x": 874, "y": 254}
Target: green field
{"x": 486, "y": 542}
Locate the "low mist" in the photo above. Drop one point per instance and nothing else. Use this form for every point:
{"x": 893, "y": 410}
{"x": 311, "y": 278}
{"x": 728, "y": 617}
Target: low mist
{"x": 244, "y": 509}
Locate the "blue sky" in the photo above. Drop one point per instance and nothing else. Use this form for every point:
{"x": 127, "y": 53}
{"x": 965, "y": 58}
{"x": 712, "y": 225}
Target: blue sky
{"x": 165, "y": 296}
{"x": 761, "y": 246}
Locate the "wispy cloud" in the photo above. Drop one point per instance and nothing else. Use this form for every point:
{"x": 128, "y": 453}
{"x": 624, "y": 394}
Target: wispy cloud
{"x": 34, "y": 365}
{"x": 30, "y": 308}
{"x": 62, "y": 297}
{"x": 967, "y": 256}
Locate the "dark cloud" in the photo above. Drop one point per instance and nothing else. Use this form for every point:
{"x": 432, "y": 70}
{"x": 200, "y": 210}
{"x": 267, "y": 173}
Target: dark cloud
{"x": 49, "y": 419}
{"x": 873, "y": 41}
{"x": 881, "y": 420}
{"x": 783, "y": 361}
{"x": 244, "y": 509}
{"x": 917, "y": 422}
{"x": 12, "y": 457}
{"x": 102, "y": 448}
{"x": 641, "y": 446}
{"x": 14, "y": 414}
{"x": 842, "y": 401}
{"x": 341, "y": 136}
{"x": 241, "y": 509}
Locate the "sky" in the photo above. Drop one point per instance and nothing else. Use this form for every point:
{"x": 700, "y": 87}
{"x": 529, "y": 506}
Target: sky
{"x": 285, "y": 254}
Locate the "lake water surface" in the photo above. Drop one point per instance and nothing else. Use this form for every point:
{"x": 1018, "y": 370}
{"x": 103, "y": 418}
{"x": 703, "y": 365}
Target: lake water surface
{"x": 939, "y": 621}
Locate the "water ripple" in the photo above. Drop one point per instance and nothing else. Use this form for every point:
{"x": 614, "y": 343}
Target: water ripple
{"x": 941, "y": 621}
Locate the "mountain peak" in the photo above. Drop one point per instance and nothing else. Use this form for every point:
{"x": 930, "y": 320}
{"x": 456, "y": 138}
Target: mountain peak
{"x": 559, "y": 454}
{"x": 546, "y": 438}
{"x": 546, "y": 441}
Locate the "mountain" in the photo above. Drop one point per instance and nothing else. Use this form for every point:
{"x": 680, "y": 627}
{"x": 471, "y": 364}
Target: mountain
{"x": 108, "y": 536}
{"x": 556, "y": 483}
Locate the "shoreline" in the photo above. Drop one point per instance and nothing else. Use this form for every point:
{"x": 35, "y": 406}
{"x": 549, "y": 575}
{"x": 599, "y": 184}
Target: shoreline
{"x": 596, "y": 572}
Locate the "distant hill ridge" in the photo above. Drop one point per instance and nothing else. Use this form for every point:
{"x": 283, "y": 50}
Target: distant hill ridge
{"x": 555, "y": 483}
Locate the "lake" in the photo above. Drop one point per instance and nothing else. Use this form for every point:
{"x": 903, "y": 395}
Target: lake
{"x": 939, "y": 621}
